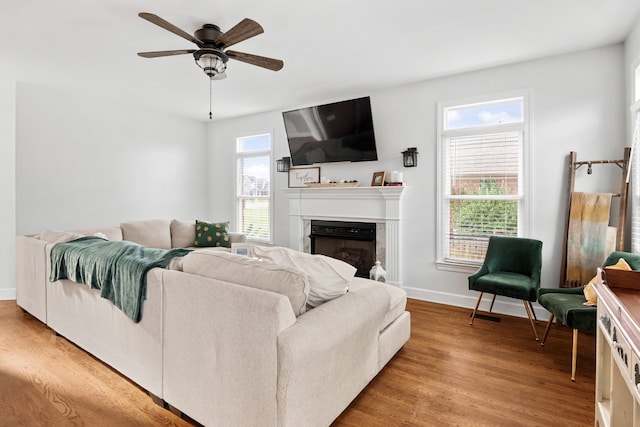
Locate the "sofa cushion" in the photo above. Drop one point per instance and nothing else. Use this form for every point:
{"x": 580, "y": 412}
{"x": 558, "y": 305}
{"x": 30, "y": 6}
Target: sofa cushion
{"x": 59, "y": 236}
{"x": 328, "y": 277}
{"x": 237, "y": 237}
{"x": 183, "y": 233}
{"x": 246, "y": 271}
{"x": 397, "y": 304}
{"x": 215, "y": 234}
{"x": 152, "y": 233}
{"x": 111, "y": 233}
{"x": 397, "y": 298}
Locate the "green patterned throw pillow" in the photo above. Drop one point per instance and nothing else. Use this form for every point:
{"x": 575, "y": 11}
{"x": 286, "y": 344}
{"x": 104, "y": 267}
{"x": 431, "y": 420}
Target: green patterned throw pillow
{"x": 212, "y": 234}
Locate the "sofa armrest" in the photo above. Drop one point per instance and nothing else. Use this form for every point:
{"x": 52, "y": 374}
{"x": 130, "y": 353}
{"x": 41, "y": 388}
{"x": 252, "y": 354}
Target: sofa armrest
{"x": 475, "y": 276}
{"x": 220, "y": 349}
{"x": 237, "y": 237}
{"x": 328, "y": 356}
{"x": 32, "y": 276}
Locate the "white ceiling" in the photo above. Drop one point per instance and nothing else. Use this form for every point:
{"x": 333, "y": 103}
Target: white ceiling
{"x": 331, "y": 49}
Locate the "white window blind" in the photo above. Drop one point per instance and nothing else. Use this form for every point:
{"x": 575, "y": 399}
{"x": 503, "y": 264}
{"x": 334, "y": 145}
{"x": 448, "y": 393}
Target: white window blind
{"x": 483, "y": 189}
{"x": 253, "y": 211}
{"x": 481, "y": 177}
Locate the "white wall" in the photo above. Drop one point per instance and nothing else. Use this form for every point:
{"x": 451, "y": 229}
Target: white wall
{"x": 7, "y": 190}
{"x": 222, "y": 145}
{"x": 578, "y": 104}
{"x": 632, "y": 60}
{"x": 83, "y": 162}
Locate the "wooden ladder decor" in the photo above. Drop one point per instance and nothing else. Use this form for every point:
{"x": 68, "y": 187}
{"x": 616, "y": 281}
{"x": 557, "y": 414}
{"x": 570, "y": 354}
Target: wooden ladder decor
{"x": 623, "y": 164}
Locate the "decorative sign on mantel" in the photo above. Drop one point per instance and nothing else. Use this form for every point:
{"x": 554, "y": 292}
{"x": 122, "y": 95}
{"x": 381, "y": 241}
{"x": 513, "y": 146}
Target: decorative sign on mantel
{"x": 300, "y": 177}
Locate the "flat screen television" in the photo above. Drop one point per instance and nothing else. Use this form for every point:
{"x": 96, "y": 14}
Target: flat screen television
{"x": 337, "y": 132}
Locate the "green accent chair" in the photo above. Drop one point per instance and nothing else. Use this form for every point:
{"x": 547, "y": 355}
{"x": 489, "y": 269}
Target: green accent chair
{"x": 566, "y": 304}
{"x": 511, "y": 268}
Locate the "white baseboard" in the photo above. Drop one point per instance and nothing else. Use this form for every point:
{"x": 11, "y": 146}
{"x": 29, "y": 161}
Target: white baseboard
{"x": 7, "y": 294}
{"x": 503, "y": 305}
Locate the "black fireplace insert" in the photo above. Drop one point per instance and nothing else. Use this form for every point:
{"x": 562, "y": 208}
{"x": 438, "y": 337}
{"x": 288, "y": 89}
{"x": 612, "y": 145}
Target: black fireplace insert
{"x": 351, "y": 242}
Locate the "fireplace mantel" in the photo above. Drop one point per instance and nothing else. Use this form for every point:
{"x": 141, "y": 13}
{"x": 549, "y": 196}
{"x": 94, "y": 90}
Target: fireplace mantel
{"x": 380, "y": 205}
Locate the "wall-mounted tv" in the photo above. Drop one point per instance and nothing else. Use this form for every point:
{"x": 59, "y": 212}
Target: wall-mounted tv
{"x": 337, "y": 132}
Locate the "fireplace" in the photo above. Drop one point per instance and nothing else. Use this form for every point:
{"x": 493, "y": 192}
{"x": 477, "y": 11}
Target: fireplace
{"x": 380, "y": 206}
{"x": 351, "y": 242}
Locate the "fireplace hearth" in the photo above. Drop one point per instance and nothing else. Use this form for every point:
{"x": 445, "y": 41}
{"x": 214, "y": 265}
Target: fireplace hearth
{"x": 351, "y": 242}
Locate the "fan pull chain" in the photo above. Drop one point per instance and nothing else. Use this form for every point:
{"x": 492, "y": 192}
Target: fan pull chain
{"x": 210, "y": 114}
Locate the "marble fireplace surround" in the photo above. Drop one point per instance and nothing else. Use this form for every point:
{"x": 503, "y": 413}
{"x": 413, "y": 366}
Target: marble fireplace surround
{"x": 379, "y": 205}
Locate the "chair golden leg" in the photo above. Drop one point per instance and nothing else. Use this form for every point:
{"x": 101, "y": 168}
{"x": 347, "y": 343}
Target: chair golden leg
{"x": 533, "y": 325}
{"x": 546, "y": 331}
{"x": 476, "y": 308}
{"x": 574, "y": 355}
{"x": 533, "y": 311}
{"x": 492, "y": 301}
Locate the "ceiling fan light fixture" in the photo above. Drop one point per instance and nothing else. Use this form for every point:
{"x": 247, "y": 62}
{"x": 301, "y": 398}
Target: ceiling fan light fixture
{"x": 213, "y": 62}
{"x": 211, "y": 42}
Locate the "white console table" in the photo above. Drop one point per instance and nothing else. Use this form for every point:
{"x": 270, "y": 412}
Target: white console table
{"x": 618, "y": 357}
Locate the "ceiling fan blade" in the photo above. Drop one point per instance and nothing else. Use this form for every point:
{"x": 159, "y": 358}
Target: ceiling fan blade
{"x": 243, "y": 30}
{"x": 160, "y": 53}
{"x": 155, "y": 19}
{"x": 260, "y": 61}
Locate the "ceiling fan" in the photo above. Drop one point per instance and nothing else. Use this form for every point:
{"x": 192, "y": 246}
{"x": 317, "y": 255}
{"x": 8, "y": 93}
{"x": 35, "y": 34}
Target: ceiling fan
{"x": 211, "y": 55}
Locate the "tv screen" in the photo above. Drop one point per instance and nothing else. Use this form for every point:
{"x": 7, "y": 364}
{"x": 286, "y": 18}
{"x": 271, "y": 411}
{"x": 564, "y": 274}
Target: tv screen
{"x": 337, "y": 132}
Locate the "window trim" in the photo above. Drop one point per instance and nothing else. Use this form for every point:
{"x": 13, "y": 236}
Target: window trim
{"x": 238, "y": 184}
{"x": 525, "y": 227}
{"x": 634, "y": 194}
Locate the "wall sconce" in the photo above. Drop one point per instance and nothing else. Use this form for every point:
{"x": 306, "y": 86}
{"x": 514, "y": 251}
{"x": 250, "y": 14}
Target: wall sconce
{"x": 283, "y": 164}
{"x": 410, "y": 157}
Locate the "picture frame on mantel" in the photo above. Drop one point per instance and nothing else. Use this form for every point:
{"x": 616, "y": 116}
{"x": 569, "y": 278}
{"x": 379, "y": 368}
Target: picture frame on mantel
{"x": 378, "y": 179}
{"x": 300, "y": 177}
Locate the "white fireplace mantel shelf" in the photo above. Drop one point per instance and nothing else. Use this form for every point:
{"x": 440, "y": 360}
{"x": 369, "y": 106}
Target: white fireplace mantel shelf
{"x": 346, "y": 192}
{"x": 380, "y": 205}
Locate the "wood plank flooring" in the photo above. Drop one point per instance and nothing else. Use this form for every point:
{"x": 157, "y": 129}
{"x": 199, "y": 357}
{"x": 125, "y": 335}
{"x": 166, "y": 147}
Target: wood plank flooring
{"x": 46, "y": 380}
{"x": 488, "y": 374}
{"x": 449, "y": 373}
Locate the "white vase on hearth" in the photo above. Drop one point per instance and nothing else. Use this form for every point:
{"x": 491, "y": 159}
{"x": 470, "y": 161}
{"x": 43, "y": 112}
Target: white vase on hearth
{"x": 377, "y": 273}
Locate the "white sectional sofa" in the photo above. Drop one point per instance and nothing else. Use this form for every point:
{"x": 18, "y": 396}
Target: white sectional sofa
{"x": 225, "y": 338}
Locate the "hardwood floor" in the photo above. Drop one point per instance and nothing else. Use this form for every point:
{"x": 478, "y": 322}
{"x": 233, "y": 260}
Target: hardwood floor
{"x": 46, "y": 380}
{"x": 449, "y": 373}
{"x": 488, "y": 374}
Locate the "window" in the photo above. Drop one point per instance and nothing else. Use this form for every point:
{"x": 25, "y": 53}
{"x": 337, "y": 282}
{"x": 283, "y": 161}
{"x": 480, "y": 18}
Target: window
{"x": 481, "y": 172}
{"x": 635, "y": 165}
{"x": 636, "y": 81}
{"x": 253, "y": 208}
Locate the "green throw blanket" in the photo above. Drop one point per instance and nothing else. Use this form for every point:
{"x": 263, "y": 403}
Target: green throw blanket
{"x": 118, "y": 268}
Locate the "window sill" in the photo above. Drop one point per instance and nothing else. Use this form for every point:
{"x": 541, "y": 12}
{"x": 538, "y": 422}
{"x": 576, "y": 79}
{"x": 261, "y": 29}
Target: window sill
{"x": 459, "y": 267}
{"x": 258, "y": 241}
